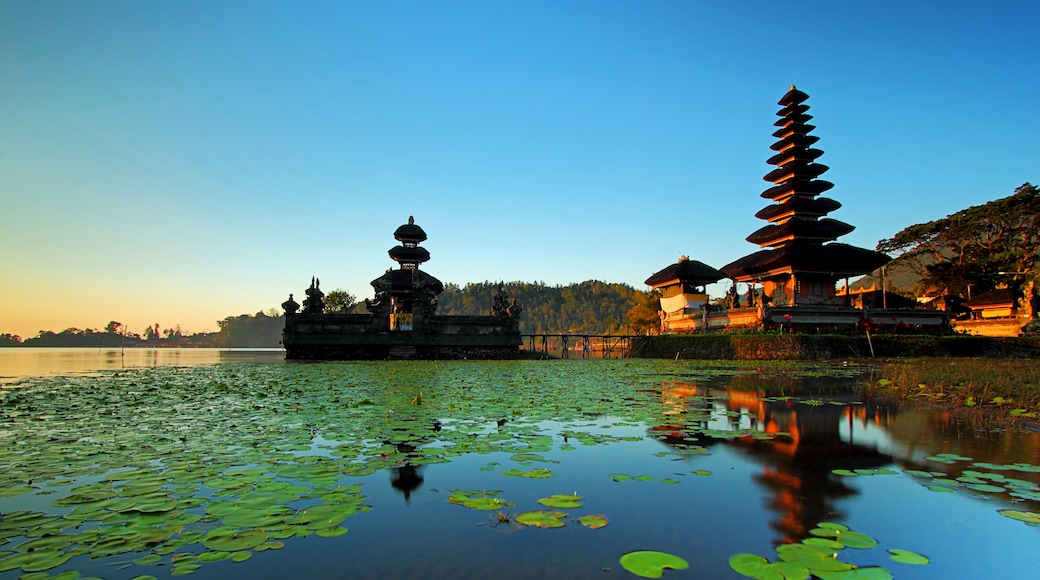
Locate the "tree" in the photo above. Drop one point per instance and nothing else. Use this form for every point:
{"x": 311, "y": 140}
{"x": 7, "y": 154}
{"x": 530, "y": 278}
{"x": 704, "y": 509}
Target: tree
{"x": 339, "y": 302}
{"x": 10, "y": 340}
{"x": 644, "y": 316}
{"x": 977, "y": 249}
{"x": 113, "y": 327}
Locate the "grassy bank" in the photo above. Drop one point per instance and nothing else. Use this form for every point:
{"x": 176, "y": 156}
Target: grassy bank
{"x": 776, "y": 346}
{"x": 1006, "y": 390}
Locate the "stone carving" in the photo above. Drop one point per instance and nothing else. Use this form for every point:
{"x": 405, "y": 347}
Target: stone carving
{"x": 290, "y": 306}
{"x": 514, "y": 310}
{"x": 314, "y": 303}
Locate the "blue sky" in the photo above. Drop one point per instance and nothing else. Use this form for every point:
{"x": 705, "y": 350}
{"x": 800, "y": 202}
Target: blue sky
{"x": 181, "y": 161}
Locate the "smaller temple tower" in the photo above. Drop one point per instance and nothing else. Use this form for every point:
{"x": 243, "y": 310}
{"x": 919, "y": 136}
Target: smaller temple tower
{"x": 406, "y": 299}
{"x": 801, "y": 262}
{"x": 682, "y": 292}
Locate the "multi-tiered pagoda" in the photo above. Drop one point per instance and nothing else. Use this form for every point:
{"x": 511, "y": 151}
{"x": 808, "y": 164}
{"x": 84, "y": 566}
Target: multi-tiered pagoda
{"x": 402, "y": 320}
{"x": 801, "y": 261}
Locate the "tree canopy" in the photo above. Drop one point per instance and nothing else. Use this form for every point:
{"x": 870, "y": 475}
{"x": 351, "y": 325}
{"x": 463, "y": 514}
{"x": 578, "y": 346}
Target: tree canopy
{"x": 591, "y": 306}
{"x": 339, "y": 302}
{"x": 978, "y": 248}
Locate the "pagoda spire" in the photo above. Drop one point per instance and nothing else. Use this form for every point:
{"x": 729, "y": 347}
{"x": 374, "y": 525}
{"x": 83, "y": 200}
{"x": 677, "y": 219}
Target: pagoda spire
{"x": 799, "y": 242}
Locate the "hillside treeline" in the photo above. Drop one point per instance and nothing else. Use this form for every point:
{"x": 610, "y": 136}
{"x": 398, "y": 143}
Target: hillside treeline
{"x": 587, "y": 307}
{"x": 591, "y": 306}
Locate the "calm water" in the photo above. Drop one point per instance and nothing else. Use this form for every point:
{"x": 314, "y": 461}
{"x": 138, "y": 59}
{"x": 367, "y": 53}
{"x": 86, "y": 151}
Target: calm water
{"x": 696, "y": 460}
{"x": 18, "y": 362}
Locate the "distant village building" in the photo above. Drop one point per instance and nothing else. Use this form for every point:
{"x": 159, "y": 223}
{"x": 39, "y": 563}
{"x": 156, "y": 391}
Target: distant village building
{"x": 402, "y": 321}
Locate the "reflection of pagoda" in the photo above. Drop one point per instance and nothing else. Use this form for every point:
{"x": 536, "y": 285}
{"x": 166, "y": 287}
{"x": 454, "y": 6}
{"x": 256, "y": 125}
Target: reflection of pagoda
{"x": 803, "y": 262}
{"x": 796, "y": 467}
{"x": 402, "y": 320}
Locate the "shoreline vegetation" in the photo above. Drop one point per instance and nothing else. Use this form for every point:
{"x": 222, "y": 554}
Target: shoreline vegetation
{"x": 993, "y": 392}
{"x": 995, "y": 382}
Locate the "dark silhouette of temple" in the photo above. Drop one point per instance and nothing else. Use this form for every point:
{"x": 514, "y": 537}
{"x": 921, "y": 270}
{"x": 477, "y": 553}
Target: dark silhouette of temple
{"x": 402, "y": 321}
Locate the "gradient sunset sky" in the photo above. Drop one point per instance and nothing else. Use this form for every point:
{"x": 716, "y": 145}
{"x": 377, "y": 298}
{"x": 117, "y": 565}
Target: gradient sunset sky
{"x": 176, "y": 162}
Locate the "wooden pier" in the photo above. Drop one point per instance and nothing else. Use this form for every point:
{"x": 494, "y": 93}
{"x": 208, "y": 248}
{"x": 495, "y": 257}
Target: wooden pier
{"x": 585, "y": 345}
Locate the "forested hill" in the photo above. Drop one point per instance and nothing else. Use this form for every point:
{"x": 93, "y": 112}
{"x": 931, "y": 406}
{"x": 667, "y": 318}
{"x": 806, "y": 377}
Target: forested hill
{"x": 590, "y": 306}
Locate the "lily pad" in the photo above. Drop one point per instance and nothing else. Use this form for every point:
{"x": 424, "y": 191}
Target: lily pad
{"x": 562, "y": 501}
{"x": 907, "y": 557}
{"x": 1032, "y": 518}
{"x": 750, "y": 565}
{"x": 594, "y": 521}
{"x": 232, "y": 540}
{"x": 541, "y": 518}
{"x": 651, "y": 564}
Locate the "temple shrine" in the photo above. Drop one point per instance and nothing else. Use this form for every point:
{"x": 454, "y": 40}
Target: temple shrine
{"x": 791, "y": 281}
{"x": 402, "y": 319}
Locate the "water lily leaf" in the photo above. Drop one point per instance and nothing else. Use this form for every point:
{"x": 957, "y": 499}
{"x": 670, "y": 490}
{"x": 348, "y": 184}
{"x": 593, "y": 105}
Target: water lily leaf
{"x": 594, "y": 521}
{"x": 824, "y": 543}
{"x": 487, "y": 503}
{"x": 1022, "y": 516}
{"x": 864, "y": 573}
{"x": 651, "y": 564}
{"x": 213, "y": 556}
{"x": 240, "y": 556}
{"x": 148, "y": 560}
{"x": 700, "y": 472}
{"x": 844, "y": 472}
{"x": 985, "y": 487}
{"x": 750, "y": 565}
{"x": 541, "y": 518}
{"x": 184, "y": 569}
{"x": 907, "y": 557}
{"x": 562, "y": 501}
{"x": 789, "y": 570}
{"x": 331, "y": 532}
{"x": 856, "y": 540}
{"x": 232, "y": 540}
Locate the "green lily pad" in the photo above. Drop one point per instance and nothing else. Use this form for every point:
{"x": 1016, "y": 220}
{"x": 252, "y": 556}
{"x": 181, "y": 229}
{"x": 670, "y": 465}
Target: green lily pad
{"x": 232, "y": 540}
{"x": 651, "y": 564}
{"x": 856, "y": 540}
{"x": 1022, "y": 516}
{"x": 907, "y": 557}
{"x": 700, "y": 472}
{"x": 541, "y": 518}
{"x": 750, "y": 565}
{"x": 594, "y": 521}
{"x": 864, "y": 573}
{"x": 562, "y": 501}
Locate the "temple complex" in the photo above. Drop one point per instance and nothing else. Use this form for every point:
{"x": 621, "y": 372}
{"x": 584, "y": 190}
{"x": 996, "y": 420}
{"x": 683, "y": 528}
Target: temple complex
{"x": 791, "y": 281}
{"x": 402, "y": 319}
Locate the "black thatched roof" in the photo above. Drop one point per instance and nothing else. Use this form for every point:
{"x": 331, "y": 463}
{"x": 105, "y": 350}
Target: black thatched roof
{"x": 819, "y": 206}
{"x": 834, "y": 259}
{"x": 686, "y": 270}
{"x": 993, "y": 298}
{"x": 404, "y": 280}
{"x": 826, "y": 229}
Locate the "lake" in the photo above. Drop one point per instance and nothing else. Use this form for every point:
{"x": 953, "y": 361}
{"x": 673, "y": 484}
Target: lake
{"x": 212, "y": 467}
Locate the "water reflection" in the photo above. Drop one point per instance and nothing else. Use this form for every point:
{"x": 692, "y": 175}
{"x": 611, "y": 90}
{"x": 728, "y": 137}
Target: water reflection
{"x": 818, "y": 427}
{"x": 17, "y": 363}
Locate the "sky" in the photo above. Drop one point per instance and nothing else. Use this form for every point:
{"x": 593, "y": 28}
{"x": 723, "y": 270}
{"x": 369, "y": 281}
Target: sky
{"x": 177, "y": 162}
